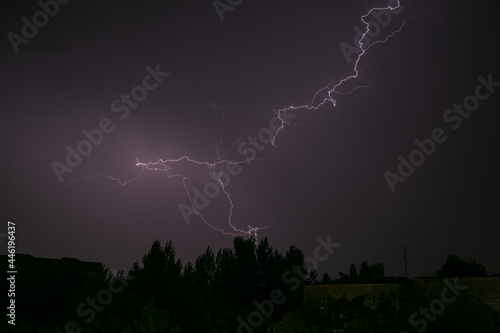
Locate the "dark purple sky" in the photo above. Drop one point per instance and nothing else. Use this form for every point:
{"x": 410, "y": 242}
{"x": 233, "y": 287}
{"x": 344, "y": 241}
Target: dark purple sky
{"x": 327, "y": 177}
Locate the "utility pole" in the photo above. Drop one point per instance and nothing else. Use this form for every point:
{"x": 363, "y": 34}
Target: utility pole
{"x": 406, "y": 264}
{"x": 406, "y": 267}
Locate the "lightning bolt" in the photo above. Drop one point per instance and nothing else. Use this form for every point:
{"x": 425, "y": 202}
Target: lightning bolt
{"x": 217, "y": 165}
{"x": 333, "y": 88}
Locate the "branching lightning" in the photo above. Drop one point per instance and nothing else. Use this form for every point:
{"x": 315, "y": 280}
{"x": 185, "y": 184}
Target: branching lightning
{"x": 217, "y": 165}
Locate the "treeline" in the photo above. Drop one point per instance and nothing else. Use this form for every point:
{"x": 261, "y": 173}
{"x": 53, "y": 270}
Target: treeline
{"x": 248, "y": 288}
{"x": 159, "y": 294}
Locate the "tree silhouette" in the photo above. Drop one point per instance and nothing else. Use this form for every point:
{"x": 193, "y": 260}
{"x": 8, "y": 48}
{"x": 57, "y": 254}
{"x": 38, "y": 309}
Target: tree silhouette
{"x": 326, "y": 279}
{"x": 204, "y": 267}
{"x": 455, "y": 266}
{"x": 367, "y": 274}
{"x": 165, "y": 296}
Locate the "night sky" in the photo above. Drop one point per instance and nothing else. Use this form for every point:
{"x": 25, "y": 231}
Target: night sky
{"x": 325, "y": 176}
